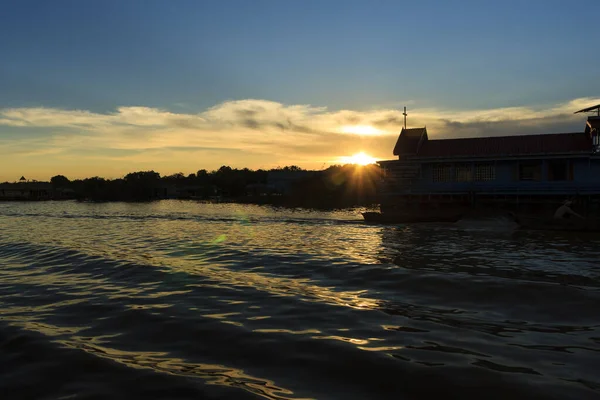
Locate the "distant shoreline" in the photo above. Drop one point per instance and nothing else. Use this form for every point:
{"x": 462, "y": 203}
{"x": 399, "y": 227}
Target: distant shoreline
{"x": 278, "y": 204}
{"x": 335, "y": 187}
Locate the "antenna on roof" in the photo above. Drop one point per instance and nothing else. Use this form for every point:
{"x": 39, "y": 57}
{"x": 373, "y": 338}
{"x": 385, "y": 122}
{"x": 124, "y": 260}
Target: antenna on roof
{"x": 405, "y": 114}
{"x": 588, "y": 109}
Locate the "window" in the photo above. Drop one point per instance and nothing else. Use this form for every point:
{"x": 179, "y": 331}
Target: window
{"x": 557, "y": 170}
{"x": 485, "y": 172}
{"x": 530, "y": 171}
{"x": 464, "y": 173}
{"x": 442, "y": 173}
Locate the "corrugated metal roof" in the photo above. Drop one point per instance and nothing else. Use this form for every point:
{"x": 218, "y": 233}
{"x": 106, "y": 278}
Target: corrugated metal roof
{"x": 558, "y": 143}
{"x": 588, "y": 109}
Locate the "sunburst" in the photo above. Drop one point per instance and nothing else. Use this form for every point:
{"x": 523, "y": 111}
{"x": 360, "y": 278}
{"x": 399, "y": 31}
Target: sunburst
{"x": 359, "y": 159}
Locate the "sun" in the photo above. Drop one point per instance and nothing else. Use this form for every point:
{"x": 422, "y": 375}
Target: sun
{"x": 359, "y": 159}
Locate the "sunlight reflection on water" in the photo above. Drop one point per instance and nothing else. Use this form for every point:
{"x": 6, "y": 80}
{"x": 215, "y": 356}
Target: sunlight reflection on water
{"x": 268, "y": 301}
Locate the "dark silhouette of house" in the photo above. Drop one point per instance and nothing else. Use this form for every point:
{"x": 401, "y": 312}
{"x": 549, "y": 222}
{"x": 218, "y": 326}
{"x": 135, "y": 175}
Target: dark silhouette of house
{"x": 508, "y": 167}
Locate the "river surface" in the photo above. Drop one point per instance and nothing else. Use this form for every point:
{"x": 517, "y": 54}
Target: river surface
{"x": 184, "y": 300}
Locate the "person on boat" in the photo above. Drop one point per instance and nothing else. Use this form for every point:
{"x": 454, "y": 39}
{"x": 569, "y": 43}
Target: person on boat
{"x": 564, "y": 211}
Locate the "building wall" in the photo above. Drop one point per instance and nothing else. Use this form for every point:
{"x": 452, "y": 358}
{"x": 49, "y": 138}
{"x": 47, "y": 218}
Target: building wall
{"x": 579, "y": 175}
{"x": 587, "y": 171}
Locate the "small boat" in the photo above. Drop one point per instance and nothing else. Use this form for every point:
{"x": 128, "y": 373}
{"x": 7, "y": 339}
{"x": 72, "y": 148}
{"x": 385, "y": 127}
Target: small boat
{"x": 554, "y": 224}
{"x": 404, "y": 218}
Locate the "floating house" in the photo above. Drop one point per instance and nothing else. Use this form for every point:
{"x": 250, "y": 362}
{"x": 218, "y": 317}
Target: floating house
{"x": 282, "y": 181}
{"x": 24, "y": 190}
{"x": 525, "y": 170}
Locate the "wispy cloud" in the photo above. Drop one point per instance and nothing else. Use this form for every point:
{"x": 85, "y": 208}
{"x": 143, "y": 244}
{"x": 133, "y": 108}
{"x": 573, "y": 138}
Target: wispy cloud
{"x": 254, "y": 133}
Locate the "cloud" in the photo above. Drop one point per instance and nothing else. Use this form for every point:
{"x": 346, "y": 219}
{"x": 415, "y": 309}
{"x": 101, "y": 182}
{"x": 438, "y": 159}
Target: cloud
{"x": 254, "y": 132}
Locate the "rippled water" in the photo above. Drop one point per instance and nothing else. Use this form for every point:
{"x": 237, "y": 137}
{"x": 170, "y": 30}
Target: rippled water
{"x": 187, "y": 300}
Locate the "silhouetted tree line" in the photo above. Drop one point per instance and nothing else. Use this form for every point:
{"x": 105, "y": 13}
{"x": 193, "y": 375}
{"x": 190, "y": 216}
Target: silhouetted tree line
{"x": 336, "y": 186}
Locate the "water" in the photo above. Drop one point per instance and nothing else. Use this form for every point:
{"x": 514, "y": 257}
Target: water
{"x": 182, "y": 300}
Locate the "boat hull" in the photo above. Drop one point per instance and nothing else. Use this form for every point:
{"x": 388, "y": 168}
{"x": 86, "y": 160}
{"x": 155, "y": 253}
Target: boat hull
{"x": 397, "y": 218}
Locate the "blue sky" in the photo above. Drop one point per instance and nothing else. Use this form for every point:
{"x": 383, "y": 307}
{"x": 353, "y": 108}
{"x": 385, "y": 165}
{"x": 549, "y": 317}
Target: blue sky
{"x": 186, "y": 57}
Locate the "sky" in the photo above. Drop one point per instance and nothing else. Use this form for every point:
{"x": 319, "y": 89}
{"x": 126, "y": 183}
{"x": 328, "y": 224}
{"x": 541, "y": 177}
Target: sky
{"x": 102, "y": 88}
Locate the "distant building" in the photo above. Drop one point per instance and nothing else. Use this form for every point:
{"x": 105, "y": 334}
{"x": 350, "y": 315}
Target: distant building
{"x": 492, "y": 169}
{"x": 194, "y": 191}
{"x": 281, "y": 181}
{"x": 262, "y": 189}
{"x": 164, "y": 191}
{"x": 26, "y": 190}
